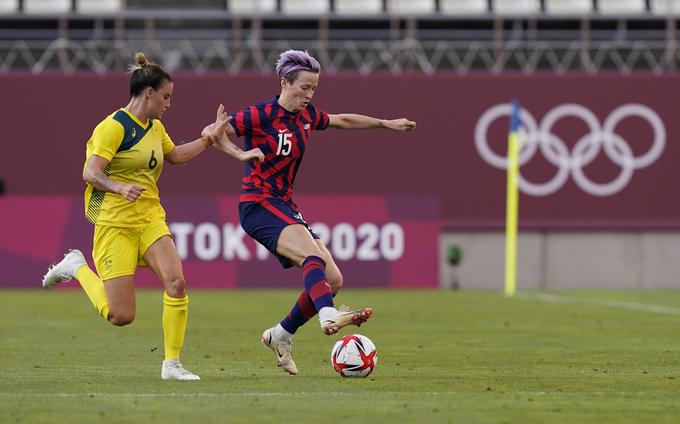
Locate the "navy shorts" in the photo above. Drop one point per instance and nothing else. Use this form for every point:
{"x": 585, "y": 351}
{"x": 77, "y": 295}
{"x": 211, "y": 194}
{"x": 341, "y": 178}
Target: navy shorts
{"x": 264, "y": 220}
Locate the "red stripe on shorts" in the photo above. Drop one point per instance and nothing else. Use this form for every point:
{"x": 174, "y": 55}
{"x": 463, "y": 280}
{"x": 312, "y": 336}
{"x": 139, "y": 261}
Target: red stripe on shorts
{"x": 271, "y": 208}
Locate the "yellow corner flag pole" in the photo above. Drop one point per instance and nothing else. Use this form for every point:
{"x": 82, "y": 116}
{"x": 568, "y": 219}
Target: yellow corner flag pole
{"x": 512, "y": 203}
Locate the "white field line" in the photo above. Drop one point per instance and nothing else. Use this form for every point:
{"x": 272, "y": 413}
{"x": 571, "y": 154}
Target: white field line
{"x": 219, "y": 394}
{"x": 633, "y": 306}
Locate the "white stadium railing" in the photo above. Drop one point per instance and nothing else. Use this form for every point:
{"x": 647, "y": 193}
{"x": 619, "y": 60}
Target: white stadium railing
{"x": 364, "y": 35}
{"x": 364, "y": 56}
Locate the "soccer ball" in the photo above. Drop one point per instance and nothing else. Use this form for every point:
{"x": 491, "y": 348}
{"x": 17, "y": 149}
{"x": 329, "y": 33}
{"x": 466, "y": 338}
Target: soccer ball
{"x": 354, "y": 356}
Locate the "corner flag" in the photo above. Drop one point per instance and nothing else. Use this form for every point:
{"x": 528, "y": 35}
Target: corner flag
{"x": 512, "y": 203}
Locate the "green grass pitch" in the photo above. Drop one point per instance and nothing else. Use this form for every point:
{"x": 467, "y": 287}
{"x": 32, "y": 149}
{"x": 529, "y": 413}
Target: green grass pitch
{"x": 464, "y": 357}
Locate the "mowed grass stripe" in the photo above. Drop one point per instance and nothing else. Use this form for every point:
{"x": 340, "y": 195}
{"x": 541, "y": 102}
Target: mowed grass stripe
{"x": 472, "y": 357}
{"x": 305, "y": 394}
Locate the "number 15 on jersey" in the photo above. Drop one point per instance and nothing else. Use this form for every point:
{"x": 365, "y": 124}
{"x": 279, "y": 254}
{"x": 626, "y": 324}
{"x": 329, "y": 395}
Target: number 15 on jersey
{"x": 284, "y": 143}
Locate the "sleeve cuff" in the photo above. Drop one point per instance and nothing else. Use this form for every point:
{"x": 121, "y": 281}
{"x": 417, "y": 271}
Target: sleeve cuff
{"x": 106, "y": 154}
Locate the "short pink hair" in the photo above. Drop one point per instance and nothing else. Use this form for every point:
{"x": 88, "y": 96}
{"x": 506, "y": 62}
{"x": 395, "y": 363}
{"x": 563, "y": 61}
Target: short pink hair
{"x": 291, "y": 62}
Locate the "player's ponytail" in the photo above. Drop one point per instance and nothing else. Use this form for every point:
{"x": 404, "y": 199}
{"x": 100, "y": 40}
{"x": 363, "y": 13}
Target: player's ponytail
{"x": 140, "y": 60}
{"x": 146, "y": 74}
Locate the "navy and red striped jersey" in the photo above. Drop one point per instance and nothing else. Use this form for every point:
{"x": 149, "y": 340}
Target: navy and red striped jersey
{"x": 282, "y": 136}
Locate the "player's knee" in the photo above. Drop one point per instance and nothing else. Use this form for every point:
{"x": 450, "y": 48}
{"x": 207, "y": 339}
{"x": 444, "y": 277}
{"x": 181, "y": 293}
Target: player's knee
{"x": 121, "y": 319}
{"x": 174, "y": 286}
{"x": 312, "y": 252}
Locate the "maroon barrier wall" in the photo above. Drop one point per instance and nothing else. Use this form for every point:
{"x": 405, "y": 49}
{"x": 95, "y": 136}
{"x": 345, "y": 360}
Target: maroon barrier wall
{"x": 46, "y": 121}
{"x": 377, "y": 241}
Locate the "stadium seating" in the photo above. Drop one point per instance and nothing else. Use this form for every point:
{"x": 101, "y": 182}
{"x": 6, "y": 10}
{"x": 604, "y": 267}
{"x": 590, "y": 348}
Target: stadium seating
{"x": 9, "y": 6}
{"x": 98, "y": 6}
{"x": 358, "y": 7}
{"x": 176, "y": 4}
{"x": 252, "y": 6}
{"x": 305, "y": 7}
{"x": 514, "y": 7}
{"x": 663, "y": 7}
{"x": 568, "y": 7}
{"x": 621, "y": 6}
{"x": 411, "y": 6}
{"x": 463, "y": 7}
{"x": 47, "y": 6}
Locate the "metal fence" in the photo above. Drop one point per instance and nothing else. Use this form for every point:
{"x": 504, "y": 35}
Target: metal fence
{"x": 202, "y": 40}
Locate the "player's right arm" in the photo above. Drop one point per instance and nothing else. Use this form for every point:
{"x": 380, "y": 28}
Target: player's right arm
{"x": 103, "y": 145}
{"x": 226, "y": 144}
{"x": 95, "y": 176}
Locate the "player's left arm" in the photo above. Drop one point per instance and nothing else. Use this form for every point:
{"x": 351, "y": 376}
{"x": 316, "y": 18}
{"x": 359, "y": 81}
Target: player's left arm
{"x": 187, "y": 151}
{"x": 351, "y": 121}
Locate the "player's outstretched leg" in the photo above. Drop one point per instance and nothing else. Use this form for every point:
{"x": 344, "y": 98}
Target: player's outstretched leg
{"x": 64, "y": 270}
{"x": 319, "y": 290}
{"x": 344, "y": 317}
{"x": 279, "y": 341}
{"x": 74, "y": 266}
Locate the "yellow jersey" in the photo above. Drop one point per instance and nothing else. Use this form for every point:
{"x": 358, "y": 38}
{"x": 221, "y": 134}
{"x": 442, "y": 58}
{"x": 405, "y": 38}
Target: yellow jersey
{"x": 135, "y": 153}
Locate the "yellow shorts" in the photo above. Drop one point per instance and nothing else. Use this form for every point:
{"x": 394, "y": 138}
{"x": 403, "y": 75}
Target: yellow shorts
{"x": 117, "y": 251}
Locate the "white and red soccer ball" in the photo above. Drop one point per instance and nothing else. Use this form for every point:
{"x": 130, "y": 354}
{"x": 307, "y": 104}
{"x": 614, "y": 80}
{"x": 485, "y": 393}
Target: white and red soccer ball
{"x": 354, "y": 356}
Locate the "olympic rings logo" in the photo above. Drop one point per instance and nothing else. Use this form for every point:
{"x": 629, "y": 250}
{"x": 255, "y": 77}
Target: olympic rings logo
{"x": 585, "y": 150}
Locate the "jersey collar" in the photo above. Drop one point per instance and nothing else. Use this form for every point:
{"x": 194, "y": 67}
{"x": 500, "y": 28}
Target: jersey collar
{"x": 283, "y": 109}
{"x": 134, "y": 118}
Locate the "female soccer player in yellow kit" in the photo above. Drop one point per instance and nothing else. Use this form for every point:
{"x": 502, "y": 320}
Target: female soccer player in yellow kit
{"x": 124, "y": 159}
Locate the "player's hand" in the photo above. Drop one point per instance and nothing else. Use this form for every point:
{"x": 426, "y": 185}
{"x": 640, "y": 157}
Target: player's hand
{"x": 401, "y": 124}
{"x": 131, "y": 192}
{"x": 222, "y": 118}
{"x": 220, "y": 125}
{"x": 207, "y": 130}
{"x": 254, "y": 154}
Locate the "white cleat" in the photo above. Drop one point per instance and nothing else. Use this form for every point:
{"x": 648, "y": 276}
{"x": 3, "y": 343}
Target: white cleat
{"x": 63, "y": 271}
{"x": 173, "y": 370}
{"x": 344, "y": 318}
{"x": 281, "y": 350}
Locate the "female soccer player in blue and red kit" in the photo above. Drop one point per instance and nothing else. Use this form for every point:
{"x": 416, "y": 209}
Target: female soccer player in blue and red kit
{"x": 280, "y": 128}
